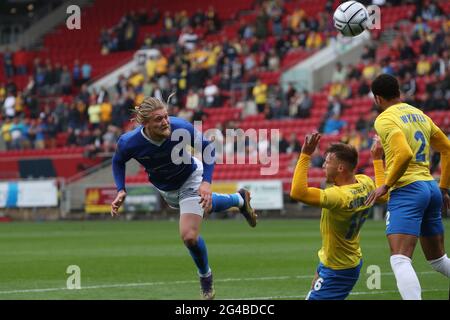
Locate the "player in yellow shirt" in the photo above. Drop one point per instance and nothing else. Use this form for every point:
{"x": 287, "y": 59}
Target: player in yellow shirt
{"x": 343, "y": 214}
{"x": 415, "y": 201}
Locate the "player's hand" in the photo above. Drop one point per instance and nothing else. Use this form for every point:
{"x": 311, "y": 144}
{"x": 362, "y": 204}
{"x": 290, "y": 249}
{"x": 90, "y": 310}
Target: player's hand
{"x": 377, "y": 149}
{"x": 206, "y": 196}
{"x": 115, "y": 205}
{"x": 446, "y": 201}
{"x": 310, "y": 144}
{"x": 375, "y": 195}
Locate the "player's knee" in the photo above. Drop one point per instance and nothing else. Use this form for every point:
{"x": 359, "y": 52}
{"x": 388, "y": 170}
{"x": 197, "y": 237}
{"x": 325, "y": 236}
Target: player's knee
{"x": 441, "y": 265}
{"x": 399, "y": 259}
{"x": 189, "y": 239}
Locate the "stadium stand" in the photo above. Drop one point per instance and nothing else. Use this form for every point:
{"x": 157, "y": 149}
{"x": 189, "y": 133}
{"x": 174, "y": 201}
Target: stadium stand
{"x": 270, "y": 37}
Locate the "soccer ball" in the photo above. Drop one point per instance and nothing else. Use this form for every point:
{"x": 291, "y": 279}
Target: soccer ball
{"x": 350, "y": 18}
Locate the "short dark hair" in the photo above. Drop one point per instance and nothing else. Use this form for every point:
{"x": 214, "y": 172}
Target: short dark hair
{"x": 386, "y": 86}
{"x": 344, "y": 152}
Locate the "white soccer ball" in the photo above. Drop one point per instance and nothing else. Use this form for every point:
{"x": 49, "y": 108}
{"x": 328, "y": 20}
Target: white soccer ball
{"x": 350, "y": 18}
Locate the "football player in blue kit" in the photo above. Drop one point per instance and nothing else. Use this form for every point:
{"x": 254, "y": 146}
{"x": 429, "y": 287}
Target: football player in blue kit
{"x": 185, "y": 185}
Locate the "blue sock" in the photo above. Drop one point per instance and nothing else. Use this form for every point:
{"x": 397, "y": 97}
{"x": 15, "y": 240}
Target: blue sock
{"x": 222, "y": 202}
{"x": 200, "y": 256}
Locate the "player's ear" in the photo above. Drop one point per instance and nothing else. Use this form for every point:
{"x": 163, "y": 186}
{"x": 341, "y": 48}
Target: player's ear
{"x": 375, "y": 97}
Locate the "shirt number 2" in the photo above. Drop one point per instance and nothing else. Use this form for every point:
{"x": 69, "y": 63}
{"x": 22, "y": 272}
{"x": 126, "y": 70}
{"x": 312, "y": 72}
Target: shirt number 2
{"x": 420, "y": 156}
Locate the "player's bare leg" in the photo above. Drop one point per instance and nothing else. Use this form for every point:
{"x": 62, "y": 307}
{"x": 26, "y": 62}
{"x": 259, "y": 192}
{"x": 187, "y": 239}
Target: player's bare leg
{"x": 402, "y": 244}
{"x": 434, "y": 250}
{"x": 190, "y": 225}
{"x": 402, "y": 249}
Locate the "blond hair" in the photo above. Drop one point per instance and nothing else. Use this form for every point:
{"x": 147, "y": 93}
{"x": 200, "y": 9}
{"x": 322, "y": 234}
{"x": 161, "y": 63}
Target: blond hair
{"x": 142, "y": 112}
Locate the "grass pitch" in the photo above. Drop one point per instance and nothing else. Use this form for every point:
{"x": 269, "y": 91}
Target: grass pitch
{"x": 147, "y": 260}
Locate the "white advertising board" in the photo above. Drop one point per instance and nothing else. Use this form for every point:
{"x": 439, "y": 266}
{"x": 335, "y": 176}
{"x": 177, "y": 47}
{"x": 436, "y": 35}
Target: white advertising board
{"x": 266, "y": 194}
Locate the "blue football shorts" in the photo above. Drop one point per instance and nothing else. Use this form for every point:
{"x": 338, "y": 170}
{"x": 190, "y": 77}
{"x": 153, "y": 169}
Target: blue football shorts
{"x": 415, "y": 209}
{"x": 334, "y": 284}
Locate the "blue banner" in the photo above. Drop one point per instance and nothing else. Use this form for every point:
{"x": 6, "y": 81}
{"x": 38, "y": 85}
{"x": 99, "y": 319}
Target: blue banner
{"x": 13, "y": 194}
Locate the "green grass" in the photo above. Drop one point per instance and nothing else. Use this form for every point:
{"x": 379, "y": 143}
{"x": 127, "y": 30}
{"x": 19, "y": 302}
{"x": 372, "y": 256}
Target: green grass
{"x": 146, "y": 260}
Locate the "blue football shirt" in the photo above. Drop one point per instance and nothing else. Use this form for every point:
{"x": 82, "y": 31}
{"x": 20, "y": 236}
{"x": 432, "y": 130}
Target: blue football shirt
{"x": 157, "y": 158}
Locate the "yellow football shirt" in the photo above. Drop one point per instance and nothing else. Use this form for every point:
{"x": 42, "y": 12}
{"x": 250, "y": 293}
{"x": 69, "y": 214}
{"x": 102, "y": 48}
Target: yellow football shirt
{"x": 343, "y": 215}
{"x": 417, "y": 129}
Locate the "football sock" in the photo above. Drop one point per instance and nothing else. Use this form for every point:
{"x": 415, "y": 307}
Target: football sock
{"x": 441, "y": 265}
{"x": 222, "y": 202}
{"x": 407, "y": 281}
{"x": 200, "y": 255}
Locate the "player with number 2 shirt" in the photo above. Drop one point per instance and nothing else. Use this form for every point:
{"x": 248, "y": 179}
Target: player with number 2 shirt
{"x": 415, "y": 201}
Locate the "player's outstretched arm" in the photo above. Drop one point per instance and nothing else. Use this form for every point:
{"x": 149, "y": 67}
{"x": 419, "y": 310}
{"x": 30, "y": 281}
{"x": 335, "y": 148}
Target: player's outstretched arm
{"x": 118, "y": 168}
{"x": 300, "y": 190}
{"x": 377, "y": 157}
{"x": 440, "y": 143}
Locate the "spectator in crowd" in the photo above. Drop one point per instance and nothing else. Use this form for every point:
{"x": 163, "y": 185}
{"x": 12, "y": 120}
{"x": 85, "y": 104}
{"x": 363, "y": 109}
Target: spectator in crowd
{"x": 430, "y": 10}
{"x": 340, "y": 90}
{"x": 6, "y": 133}
{"x": 110, "y": 138}
{"x": 261, "y": 25}
{"x": 386, "y": 67}
{"x": 355, "y": 138}
{"x": 86, "y": 71}
{"x": 273, "y": 61}
{"x": 9, "y": 105}
{"x": 260, "y": 95}
{"x": 94, "y": 111}
{"x": 211, "y": 93}
{"x": 41, "y": 130}
{"x": 420, "y": 29}
{"x": 105, "y": 112}
{"x": 371, "y": 70}
{"x": 368, "y": 53}
{"x": 362, "y": 125}
{"x": 339, "y": 73}
{"x": 283, "y": 144}
{"x": 353, "y": 72}
{"x": 278, "y": 110}
{"x": 192, "y": 100}
{"x": 188, "y": 39}
{"x": 76, "y": 73}
{"x": 20, "y": 60}
{"x": 213, "y": 23}
{"x": 333, "y": 125}
{"x": 66, "y": 81}
{"x": 18, "y": 133}
{"x": 335, "y": 106}
{"x": 408, "y": 87}
{"x": 314, "y": 41}
{"x": 317, "y": 159}
{"x": 364, "y": 88}
{"x": 294, "y": 145}
{"x": 423, "y": 66}
{"x": 305, "y": 104}
{"x": 8, "y": 64}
